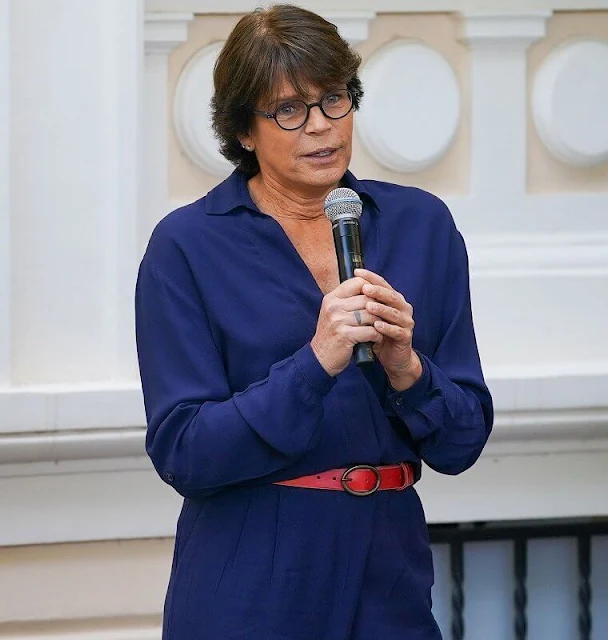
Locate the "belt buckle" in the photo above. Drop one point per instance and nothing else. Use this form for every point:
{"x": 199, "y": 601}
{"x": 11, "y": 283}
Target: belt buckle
{"x": 345, "y": 479}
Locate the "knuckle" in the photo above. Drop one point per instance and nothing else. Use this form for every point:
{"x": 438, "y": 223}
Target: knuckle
{"x": 342, "y": 331}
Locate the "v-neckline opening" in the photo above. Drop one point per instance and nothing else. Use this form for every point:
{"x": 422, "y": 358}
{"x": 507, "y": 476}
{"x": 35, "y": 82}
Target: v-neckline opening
{"x": 285, "y": 238}
{"x": 319, "y": 295}
{"x": 312, "y": 286}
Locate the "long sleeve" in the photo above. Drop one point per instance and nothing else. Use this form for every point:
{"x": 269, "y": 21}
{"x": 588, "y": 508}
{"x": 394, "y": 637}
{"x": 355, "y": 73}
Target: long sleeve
{"x": 200, "y": 436}
{"x": 448, "y": 412}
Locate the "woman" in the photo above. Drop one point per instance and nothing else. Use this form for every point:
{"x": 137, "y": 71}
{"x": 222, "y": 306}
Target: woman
{"x": 256, "y": 411}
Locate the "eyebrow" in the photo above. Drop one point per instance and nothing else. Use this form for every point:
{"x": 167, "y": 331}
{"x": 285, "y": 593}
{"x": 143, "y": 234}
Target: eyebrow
{"x": 295, "y": 96}
{"x": 281, "y": 99}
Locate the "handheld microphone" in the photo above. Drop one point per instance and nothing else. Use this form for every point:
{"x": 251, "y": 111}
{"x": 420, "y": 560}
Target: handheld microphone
{"x": 343, "y": 208}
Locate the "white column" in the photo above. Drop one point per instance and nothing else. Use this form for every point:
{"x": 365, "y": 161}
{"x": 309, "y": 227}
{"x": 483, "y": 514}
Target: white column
{"x": 123, "y": 52}
{"x": 5, "y": 205}
{"x": 76, "y": 72}
{"x": 498, "y": 46}
{"x": 163, "y": 32}
{"x": 352, "y": 25}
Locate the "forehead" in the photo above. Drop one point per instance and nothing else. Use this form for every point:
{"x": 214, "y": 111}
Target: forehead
{"x": 284, "y": 88}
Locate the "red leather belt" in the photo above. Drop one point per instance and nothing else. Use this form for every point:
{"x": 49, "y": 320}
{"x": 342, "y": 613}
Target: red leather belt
{"x": 360, "y": 480}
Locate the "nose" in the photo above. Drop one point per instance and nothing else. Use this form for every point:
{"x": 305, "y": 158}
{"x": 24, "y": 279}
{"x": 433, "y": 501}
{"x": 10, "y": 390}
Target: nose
{"x": 317, "y": 121}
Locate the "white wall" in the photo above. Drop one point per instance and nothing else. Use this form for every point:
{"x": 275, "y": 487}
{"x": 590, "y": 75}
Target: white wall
{"x": 91, "y": 107}
{"x": 84, "y": 187}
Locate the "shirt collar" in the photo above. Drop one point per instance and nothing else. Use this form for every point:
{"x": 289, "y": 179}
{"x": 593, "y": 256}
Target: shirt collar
{"x": 233, "y": 193}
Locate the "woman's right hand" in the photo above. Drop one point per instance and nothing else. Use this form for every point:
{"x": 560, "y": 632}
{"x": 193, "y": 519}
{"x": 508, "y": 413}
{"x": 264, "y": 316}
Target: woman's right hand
{"x": 339, "y": 328}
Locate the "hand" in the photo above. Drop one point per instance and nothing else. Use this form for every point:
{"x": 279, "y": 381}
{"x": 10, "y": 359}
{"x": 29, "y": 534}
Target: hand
{"x": 395, "y": 323}
{"x": 343, "y": 322}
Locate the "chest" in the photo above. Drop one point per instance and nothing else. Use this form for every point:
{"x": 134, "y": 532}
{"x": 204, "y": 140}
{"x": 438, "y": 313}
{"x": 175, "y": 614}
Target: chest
{"x": 316, "y": 249}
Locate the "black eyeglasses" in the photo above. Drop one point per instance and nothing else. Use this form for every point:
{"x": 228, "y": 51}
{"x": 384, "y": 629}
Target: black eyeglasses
{"x": 293, "y": 114}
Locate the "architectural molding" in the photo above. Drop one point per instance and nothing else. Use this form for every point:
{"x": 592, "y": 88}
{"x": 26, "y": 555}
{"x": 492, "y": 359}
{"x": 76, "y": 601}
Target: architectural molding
{"x": 546, "y": 404}
{"x": 72, "y": 445}
{"x": 384, "y": 6}
{"x": 515, "y": 432}
{"x": 114, "y": 499}
{"x": 163, "y": 31}
{"x": 528, "y": 486}
{"x": 56, "y": 408}
{"x": 192, "y": 112}
{"x": 352, "y": 25}
{"x": 548, "y": 432}
{"x": 503, "y": 29}
{"x": 570, "y": 115}
{"x": 545, "y": 255}
{"x": 428, "y": 118}
{"x": 498, "y": 44}
{"x": 521, "y": 214}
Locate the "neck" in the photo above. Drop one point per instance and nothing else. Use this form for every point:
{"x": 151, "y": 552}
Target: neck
{"x": 286, "y": 203}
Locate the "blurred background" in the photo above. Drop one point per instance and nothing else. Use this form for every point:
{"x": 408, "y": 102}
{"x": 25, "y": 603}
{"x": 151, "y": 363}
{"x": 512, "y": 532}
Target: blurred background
{"x": 499, "y": 106}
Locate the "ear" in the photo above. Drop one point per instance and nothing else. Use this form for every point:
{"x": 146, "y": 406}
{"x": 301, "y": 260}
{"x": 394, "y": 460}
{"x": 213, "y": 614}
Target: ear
{"x": 246, "y": 142}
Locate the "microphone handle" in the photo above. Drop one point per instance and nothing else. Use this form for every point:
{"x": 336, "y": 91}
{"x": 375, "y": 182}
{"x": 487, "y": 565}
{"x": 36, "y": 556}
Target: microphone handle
{"x": 347, "y": 241}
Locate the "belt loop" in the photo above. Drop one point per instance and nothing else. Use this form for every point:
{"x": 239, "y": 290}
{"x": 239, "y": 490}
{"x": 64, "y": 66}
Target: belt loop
{"x": 407, "y": 479}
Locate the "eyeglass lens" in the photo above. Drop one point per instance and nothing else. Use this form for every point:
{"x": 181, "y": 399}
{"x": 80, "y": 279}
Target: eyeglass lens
{"x": 293, "y": 114}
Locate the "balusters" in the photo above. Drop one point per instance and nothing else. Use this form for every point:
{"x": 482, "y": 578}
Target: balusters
{"x": 457, "y": 569}
{"x": 520, "y": 563}
{"x": 457, "y": 536}
{"x": 584, "y": 589}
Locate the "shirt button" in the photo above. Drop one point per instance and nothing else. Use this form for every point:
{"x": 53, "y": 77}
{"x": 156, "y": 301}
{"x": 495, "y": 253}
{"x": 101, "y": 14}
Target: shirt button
{"x": 399, "y": 401}
{"x": 169, "y": 477}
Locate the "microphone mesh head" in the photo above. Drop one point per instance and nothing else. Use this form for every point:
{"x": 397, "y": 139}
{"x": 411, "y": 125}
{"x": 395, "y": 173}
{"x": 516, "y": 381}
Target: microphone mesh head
{"x": 342, "y": 203}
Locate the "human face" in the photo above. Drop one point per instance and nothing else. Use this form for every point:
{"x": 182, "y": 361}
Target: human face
{"x": 298, "y": 160}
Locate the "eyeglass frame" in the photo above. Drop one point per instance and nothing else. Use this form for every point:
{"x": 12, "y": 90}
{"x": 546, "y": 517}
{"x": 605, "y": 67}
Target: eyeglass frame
{"x": 273, "y": 115}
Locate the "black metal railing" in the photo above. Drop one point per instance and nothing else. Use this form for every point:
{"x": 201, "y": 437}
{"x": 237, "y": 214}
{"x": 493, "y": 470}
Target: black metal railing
{"x": 519, "y": 534}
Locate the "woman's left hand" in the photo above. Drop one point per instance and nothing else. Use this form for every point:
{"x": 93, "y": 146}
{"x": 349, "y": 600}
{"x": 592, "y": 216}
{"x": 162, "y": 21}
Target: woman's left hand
{"x": 396, "y": 324}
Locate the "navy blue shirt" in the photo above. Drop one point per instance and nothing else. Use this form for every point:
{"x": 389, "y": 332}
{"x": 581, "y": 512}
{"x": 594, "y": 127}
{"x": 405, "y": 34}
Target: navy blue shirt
{"x": 236, "y": 400}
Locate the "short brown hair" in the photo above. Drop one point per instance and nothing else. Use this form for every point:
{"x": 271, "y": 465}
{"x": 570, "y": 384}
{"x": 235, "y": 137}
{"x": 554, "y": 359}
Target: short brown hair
{"x": 283, "y": 41}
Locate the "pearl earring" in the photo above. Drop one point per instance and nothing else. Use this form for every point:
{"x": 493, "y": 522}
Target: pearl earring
{"x": 247, "y": 147}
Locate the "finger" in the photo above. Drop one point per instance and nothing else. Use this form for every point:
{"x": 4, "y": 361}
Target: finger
{"x": 356, "y": 302}
{"x": 367, "y": 334}
{"x": 356, "y": 334}
{"x": 360, "y": 317}
{"x": 389, "y": 297}
{"x": 349, "y": 288}
{"x": 392, "y": 315}
{"x": 394, "y": 332}
{"x": 372, "y": 277}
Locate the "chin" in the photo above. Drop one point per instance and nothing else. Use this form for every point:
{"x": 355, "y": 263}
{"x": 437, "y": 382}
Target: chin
{"x": 325, "y": 177}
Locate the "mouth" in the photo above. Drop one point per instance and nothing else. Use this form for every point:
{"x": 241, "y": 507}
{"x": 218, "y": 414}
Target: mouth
{"x": 326, "y": 152}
